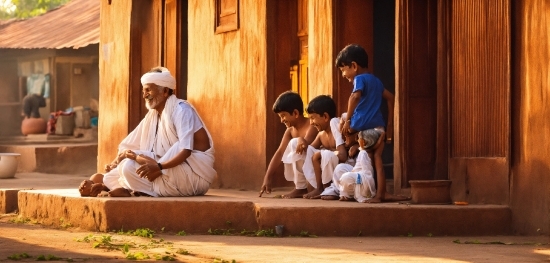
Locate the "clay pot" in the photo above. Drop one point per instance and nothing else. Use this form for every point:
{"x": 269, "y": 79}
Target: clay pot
{"x": 8, "y": 164}
{"x": 33, "y": 126}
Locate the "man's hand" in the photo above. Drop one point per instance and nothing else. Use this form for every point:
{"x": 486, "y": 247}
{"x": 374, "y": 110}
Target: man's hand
{"x": 129, "y": 154}
{"x": 149, "y": 171}
{"x": 111, "y": 166}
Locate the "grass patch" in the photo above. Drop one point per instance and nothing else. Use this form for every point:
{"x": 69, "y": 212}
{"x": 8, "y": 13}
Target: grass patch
{"x": 20, "y": 220}
{"x": 47, "y": 258}
{"x": 19, "y": 256}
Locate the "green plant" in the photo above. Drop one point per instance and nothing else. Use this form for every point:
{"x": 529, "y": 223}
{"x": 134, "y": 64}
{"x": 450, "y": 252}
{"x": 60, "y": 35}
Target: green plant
{"x": 219, "y": 260}
{"x": 224, "y": 232}
{"x": 47, "y": 258}
{"x": 63, "y": 224}
{"x": 181, "y": 233}
{"x": 304, "y": 233}
{"x": 265, "y": 233}
{"x": 19, "y": 256}
{"x": 137, "y": 256}
{"x": 20, "y": 220}
{"x": 183, "y": 251}
{"x": 143, "y": 232}
{"x": 247, "y": 233}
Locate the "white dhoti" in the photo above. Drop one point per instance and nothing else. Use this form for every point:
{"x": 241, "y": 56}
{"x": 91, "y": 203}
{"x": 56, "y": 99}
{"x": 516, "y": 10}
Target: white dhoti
{"x": 359, "y": 182}
{"x": 334, "y": 188}
{"x": 358, "y": 185}
{"x": 299, "y": 167}
{"x": 181, "y": 180}
{"x": 293, "y": 164}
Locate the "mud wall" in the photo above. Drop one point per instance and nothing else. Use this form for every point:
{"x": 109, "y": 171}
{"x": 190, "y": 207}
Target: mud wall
{"x": 530, "y": 178}
{"x": 114, "y": 57}
{"x": 227, "y": 85}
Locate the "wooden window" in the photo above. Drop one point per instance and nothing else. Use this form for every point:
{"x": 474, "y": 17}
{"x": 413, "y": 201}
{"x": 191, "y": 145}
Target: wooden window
{"x": 227, "y": 16}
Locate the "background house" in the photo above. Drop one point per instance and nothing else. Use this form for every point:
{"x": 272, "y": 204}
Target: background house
{"x": 61, "y": 45}
{"x": 471, "y": 80}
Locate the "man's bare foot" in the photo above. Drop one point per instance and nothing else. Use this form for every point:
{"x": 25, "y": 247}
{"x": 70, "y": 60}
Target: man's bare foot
{"x": 343, "y": 198}
{"x": 315, "y": 194}
{"x": 296, "y": 193}
{"x": 119, "y": 192}
{"x": 329, "y": 197}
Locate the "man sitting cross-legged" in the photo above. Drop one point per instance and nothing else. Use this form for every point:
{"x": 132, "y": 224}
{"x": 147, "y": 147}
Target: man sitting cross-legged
{"x": 170, "y": 152}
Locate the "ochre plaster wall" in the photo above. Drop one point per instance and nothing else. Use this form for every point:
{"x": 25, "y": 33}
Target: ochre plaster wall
{"x": 320, "y": 50}
{"x": 530, "y": 181}
{"x": 114, "y": 55}
{"x": 227, "y": 86}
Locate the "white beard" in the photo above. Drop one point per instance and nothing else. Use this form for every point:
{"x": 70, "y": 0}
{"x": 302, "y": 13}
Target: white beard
{"x": 152, "y": 103}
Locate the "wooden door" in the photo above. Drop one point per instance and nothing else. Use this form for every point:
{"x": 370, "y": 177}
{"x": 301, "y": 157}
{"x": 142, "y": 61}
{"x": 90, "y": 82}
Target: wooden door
{"x": 353, "y": 24}
{"x": 480, "y": 101}
{"x": 175, "y": 43}
{"x": 283, "y": 49}
{"x": 420, "y": 94}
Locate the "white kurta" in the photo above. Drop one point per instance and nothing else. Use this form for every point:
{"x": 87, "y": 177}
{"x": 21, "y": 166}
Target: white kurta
{"x": 176, "y": 127}
{"x": 299, "y": 167}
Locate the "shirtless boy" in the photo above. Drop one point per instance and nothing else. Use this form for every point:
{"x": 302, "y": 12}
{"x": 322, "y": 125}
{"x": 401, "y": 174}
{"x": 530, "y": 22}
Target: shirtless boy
{"x": 327, "y": 150}
{"x": 290, "y": 108}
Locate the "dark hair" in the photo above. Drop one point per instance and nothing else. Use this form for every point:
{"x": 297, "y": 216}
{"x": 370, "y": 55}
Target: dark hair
{"x": 352, "y": 53}
{"x": 322, "y": 104}
{"x": 289, "y": 101}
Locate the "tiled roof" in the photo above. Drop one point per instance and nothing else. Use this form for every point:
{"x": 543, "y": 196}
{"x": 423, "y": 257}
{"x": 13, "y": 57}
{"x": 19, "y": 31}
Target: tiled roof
{"x": 73, "y": 25}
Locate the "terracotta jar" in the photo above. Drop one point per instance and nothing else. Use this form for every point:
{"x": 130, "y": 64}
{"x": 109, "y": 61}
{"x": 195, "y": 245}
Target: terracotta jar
{"x": 33, "y": 126}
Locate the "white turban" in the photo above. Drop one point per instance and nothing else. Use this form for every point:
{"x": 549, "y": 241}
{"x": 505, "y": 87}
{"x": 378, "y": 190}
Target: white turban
{"x": 163, "y": 79}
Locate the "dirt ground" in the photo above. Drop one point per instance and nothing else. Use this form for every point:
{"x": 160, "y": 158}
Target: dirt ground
{"x": 21, "y": 239}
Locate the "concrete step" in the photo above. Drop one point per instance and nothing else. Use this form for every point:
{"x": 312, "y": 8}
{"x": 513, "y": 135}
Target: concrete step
{"x": 62, "y": 157}
{"x": 239, "y": 210}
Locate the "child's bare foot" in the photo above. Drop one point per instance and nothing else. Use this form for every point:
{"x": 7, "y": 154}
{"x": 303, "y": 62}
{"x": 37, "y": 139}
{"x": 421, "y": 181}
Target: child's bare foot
{"x": 119, "y": 192}
{"x": 329, "y": 197}
{"x": 315, "y": 194}
{"x": 296, "y": 193}
{"x": 343, "y": 198}
{"x": 395, "y": 198}
{"x": 374, "y": 200}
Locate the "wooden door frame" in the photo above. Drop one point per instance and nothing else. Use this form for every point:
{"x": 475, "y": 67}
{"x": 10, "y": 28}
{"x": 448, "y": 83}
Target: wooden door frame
{"x": 402, "y": 72}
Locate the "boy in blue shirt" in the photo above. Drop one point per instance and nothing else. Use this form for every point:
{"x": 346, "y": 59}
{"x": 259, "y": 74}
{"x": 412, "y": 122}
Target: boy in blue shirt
{"x": 364, "y": 112}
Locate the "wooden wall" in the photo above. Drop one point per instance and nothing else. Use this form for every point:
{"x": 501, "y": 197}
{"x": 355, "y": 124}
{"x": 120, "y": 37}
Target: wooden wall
{"x": 227, "y": 84}
{"x": 530, "y": 174}
{"x": 320, "y": 56}
{"x": 479, "y": 101}
{"x": 114, "y": 75}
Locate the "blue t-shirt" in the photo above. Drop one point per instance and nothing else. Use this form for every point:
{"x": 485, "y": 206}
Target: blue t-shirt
{"x": 367, "y": 114}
